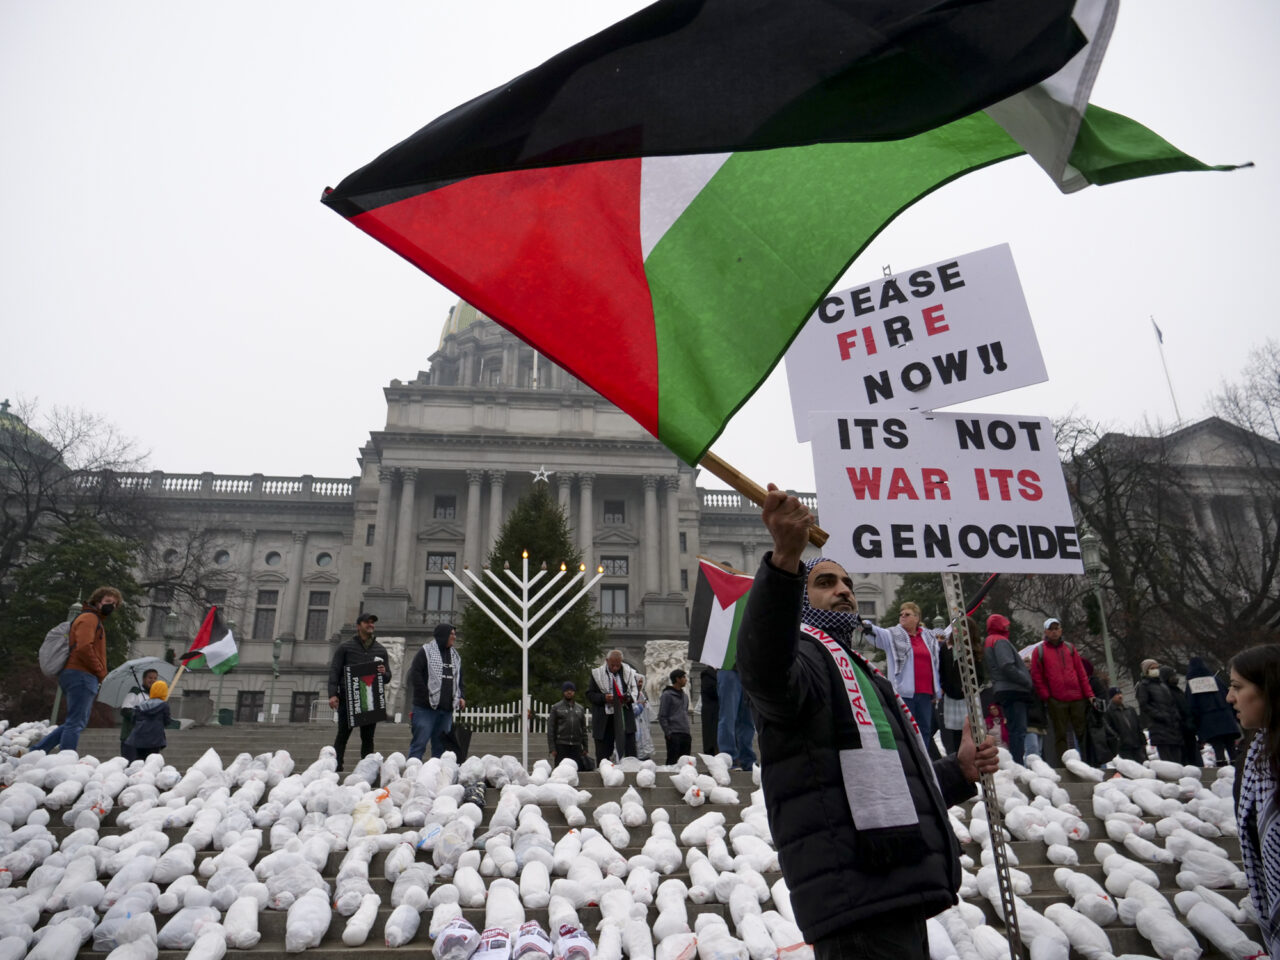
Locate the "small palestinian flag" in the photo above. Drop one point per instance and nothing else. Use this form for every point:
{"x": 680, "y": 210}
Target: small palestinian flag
{"x": 718, "y": 604}
{"x": 214, "y": 646}
{"x": 366, "y": 696}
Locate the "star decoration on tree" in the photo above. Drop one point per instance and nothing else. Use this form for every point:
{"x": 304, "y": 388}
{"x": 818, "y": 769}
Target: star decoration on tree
{"x": 542, "y": 474}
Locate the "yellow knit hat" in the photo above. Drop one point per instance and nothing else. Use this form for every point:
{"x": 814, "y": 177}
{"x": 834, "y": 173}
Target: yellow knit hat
{"x": 159, "y": 690}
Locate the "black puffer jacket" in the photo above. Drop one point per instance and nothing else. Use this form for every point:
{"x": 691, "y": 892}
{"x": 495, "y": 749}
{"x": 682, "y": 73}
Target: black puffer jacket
{"x": 1159, "y": 712}
{"x": 801, "y": 715}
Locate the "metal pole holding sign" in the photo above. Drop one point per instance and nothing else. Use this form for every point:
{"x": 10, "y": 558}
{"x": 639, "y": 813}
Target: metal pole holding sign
{"x": 978, "y": 726}
{"x": 526, "y": 617}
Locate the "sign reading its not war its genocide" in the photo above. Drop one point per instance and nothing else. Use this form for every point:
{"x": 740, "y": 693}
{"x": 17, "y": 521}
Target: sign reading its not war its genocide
{"x": 915, "y": 492}
{"x": 366, "y": 697}
{"x": 919, "y": 340}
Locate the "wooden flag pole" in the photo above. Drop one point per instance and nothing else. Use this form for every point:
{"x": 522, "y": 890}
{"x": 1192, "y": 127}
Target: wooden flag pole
{"x": 750, "y": 489}
{"x": 173, "y": 684}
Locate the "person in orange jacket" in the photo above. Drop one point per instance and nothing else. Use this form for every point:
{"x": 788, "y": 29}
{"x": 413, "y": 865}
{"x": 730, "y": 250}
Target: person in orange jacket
{"x": 85, "y": 668}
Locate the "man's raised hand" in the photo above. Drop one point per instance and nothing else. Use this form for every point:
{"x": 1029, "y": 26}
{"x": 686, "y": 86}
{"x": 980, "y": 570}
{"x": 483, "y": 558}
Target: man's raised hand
{"x": 788, "y": 522}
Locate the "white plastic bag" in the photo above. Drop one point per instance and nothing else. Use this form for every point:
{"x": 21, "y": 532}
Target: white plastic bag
{"x": 401, "y": 926}
{"x": 307, "y": 921}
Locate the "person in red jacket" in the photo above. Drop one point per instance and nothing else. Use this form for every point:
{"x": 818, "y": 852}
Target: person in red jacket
{"x": 1063, "y": 685}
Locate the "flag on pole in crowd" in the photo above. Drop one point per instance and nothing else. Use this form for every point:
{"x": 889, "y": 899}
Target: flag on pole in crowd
{"x": 659, "y": 208}
{"x": 214, "y": 646}
{"x": 719, "y": 600}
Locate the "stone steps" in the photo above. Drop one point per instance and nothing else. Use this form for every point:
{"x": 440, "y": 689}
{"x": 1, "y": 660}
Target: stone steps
{"x": 305, "y": 740}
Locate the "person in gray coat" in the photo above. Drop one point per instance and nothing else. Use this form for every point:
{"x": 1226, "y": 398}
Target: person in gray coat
{"x": 1011, "y": 682}
{"x": 673, "y": 717}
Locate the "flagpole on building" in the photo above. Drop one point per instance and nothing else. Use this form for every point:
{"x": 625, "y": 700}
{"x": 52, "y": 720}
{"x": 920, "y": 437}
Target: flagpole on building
{"x": 749, "y": 489}
{"x": 1167, "y": 379}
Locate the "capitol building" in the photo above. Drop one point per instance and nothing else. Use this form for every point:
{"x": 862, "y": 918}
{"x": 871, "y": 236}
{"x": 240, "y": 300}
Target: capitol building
{"x": 294, "y": 560}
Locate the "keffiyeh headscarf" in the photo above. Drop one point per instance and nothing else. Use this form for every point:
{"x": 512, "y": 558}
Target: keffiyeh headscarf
{"x": 837, "y": 623}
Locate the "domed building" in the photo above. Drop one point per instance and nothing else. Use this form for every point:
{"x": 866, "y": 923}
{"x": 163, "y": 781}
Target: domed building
{"x": 296, "y": 559}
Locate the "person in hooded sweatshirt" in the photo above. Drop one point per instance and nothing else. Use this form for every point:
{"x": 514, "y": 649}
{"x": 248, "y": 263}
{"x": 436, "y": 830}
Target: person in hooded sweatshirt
{"x": 1010, "y": 682}
{"x": 436, "y": 675}
{"x": 149, "y": 722}
{"x": 1214, "y": 719}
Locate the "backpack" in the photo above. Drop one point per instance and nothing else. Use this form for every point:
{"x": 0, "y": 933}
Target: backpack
{"x": 56, "y": 649}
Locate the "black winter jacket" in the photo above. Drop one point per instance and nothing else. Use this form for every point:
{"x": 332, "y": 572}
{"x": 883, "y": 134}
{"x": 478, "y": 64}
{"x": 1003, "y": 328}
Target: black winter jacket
{"x": 351, "y": 652}
{"x": 801, "y": 715}
{"x": 1159, "y": 712}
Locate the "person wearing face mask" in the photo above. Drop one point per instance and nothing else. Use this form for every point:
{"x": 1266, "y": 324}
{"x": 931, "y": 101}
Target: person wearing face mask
{"x": 1160, "y": 714}
{"x": 86, "y": 666}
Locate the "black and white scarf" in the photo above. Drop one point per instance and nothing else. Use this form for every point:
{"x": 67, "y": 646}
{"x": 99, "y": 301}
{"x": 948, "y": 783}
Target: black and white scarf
{"x": 1258, "y": 808}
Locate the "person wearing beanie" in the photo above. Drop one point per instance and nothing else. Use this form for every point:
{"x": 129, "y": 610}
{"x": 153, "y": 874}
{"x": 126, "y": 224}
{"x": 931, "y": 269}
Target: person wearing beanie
{"x": 436, "y": 675}
{"x": 857, "y": 811}
{"x": 1011, "y": 683}
{"x": 355, "y": 652}
{"x": 567, "y": 728}
{"x": 149, "y": 721}
{"x": 137, "y": 695}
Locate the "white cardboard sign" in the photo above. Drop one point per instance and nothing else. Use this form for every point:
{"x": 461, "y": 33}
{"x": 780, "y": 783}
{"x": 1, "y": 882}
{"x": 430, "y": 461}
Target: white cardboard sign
{"x": 915, "y": 492}
{"x": 919, "y": 340}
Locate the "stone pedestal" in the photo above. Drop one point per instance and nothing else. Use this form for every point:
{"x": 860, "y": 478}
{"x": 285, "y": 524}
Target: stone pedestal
{"x": 391, "y": 606}
{"x": 663, "y": 613}
{"x": 395, "y": 675}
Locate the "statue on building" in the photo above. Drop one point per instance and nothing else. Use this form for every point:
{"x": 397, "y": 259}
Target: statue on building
{"x": 660, "y": 658}
{"x": 395, "y": 673}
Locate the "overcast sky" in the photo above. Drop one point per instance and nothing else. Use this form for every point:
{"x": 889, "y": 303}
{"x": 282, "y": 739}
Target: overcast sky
{"x": 165, "y": 261}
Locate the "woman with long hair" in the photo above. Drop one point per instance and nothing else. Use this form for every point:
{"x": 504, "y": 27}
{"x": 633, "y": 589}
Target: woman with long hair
{"x": 1254, "y": 692}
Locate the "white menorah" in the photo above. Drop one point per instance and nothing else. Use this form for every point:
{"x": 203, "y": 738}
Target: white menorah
{"x": 526, "y": 618}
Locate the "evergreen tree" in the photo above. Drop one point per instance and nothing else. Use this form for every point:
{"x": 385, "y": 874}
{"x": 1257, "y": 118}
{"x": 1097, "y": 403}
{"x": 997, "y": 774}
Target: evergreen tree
{"x": 74, "y": 562}
{"x": 491, "y": 661}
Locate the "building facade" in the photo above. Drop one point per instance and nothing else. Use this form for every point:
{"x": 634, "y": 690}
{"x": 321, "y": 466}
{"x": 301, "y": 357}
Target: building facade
{"x": 294, "y": 560}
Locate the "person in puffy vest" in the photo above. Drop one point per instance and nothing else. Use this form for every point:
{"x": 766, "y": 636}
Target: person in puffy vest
{"x": 86, "y": 666}
{"x": 436, "y": 675}
{"x": 857, "y": 810}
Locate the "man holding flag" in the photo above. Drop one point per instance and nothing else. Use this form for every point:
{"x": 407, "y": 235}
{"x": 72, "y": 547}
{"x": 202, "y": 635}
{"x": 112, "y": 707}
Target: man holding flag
{"x": 858, "y": 811}
{"x": 362, "y": 650}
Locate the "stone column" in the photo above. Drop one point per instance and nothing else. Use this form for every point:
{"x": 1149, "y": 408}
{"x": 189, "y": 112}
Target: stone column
{"x": 1208, "y": 524}
{"x": 287, "y": 628}
{"x": 671, "y": 571}
{"x": 382, "y": 529}
{"x": 244, "y": 565}
{"x": 565, "y": 484}
{"x": 405, "y": 528}
{"x": 650, "y": 534}
{"x": 471, "y": 546}
{"x": 586, "y": 515}
{"x": 497, "y": 478}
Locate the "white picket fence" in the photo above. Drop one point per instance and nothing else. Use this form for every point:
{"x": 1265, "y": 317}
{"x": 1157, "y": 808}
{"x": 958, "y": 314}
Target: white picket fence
{"x": 504, "y": 717}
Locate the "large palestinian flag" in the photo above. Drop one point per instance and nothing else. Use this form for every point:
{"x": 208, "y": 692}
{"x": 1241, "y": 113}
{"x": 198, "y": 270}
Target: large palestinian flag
{"x": 719, "y": 600}
{"x": 659, "y": 208}
{"x": 214, "y": 645}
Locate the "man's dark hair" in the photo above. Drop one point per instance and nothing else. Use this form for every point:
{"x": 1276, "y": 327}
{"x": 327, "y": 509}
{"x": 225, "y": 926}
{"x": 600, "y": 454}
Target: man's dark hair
{"x": 676, "y": 674}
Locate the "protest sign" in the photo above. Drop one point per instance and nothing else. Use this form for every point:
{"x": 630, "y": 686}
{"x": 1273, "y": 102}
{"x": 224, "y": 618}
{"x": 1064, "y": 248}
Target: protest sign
{"x": 914, "y": 492}
{"x": 954, "y": 330}
{"x": 366, "y": 696}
